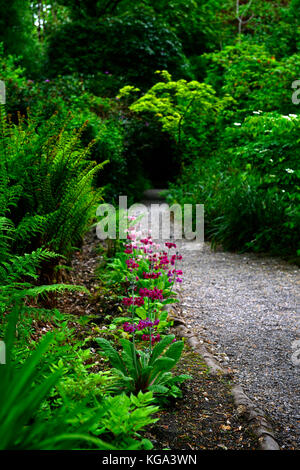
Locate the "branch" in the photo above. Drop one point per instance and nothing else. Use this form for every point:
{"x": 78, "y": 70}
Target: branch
{"x": 182, "y": 118}
{"x": 240, "y": 18}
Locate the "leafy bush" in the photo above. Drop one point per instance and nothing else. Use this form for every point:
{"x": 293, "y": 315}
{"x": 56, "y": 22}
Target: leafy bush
{"x": 12, "y": 74}
{"x": 124, "y": 416}
{"x": 22, "y": 392}
{"x": 253, "y": 77}
{"x": 19, "y": 34}
{"x": 59, "y": 95}
{"x": 101, "y": 120}
{"x": 250, "y": 188}
{"x": 187, "y": 111}
{"x": 118, "y": 44}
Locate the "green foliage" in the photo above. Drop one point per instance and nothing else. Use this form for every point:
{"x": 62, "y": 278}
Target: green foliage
{"x": 12, "y": 74}
{"x": 101, "y": 120}
{"x": 48, "y": 180}
{"x": 199, "y": 24}
{"x": 276, "y": 24}
{"x": 34, "y": 417}
{"x": 253, "y": 77}
{"x": 139, "y": 370}
{"x": 250, "y": 188}
{"x": 19, "y": 34}
{"x": 187, "y": 111}
{"x": 22, "y": 392}
{"x": 67, "y": 94}
{"x": 18, "y": 272}
{"x": 118, "y": 44}
{"x": 124, "y": 416}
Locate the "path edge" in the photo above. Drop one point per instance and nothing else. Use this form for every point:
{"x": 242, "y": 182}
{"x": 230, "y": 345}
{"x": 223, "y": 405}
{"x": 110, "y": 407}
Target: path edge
{"x": 245, "y": 407}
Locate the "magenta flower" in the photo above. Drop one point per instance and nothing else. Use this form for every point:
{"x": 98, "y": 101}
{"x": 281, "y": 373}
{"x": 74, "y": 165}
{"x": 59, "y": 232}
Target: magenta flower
{"x": 129, "y": 327}
{"x": 145, "y": 324}
{"x": 131, "y": 263}
{"x": 152, "y": 294}
{"x": 139, "y": 301}
{"x": 145, "y": 241}
{"x": 127, "y": 301}
{"x": 170, "y": 245}
{"x": 154, "y": 339}
{"x": 151, "y": 275}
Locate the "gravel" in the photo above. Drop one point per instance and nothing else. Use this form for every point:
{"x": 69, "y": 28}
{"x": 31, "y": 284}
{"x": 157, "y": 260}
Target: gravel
{"x": 247, "y": 309}
{"x": 246, "y": 306}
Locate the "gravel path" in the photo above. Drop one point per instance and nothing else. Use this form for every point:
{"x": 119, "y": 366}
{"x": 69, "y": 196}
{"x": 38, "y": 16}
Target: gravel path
{"x": 247, "y": 307}
{"x": 248, "y": 310}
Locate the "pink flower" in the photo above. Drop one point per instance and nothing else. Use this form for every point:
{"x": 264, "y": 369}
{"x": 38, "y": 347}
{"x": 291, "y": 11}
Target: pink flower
{"x": 170, "y": 245}
{"x": 139, "y": 301}
{"x": 152, "y": 294}
{"x": 131, "y": 264}
{"x": 151, "y": 275}
{"x": 129, "y": 328}
{"x": 127, "y": 301}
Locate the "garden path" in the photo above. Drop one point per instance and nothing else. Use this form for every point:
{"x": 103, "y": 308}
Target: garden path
{"x": 248, "y": 308}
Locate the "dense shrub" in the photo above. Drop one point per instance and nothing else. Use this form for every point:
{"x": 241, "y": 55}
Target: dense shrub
{"x": 187, "y": 111}
{"x": 250, "y": 188}
{"x": 119, "y": 43}
{"x": 19, "y": 34}
{"x": 12, "y": 74}
{"x": 253, "y": 77}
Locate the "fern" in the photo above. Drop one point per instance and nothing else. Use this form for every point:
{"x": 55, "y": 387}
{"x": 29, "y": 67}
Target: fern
{"x": 47, "y": 202}
{"x": 46, "y": 184}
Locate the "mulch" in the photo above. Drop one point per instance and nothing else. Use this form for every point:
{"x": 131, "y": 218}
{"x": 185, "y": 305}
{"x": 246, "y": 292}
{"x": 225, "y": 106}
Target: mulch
{"x": 205, "y": 417}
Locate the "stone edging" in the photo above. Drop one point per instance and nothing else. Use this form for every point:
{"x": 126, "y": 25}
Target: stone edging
{"x": 244, "y": 405}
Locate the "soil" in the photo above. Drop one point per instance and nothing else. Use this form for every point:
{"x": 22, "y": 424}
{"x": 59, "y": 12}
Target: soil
{"x": 205, "y": 418}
